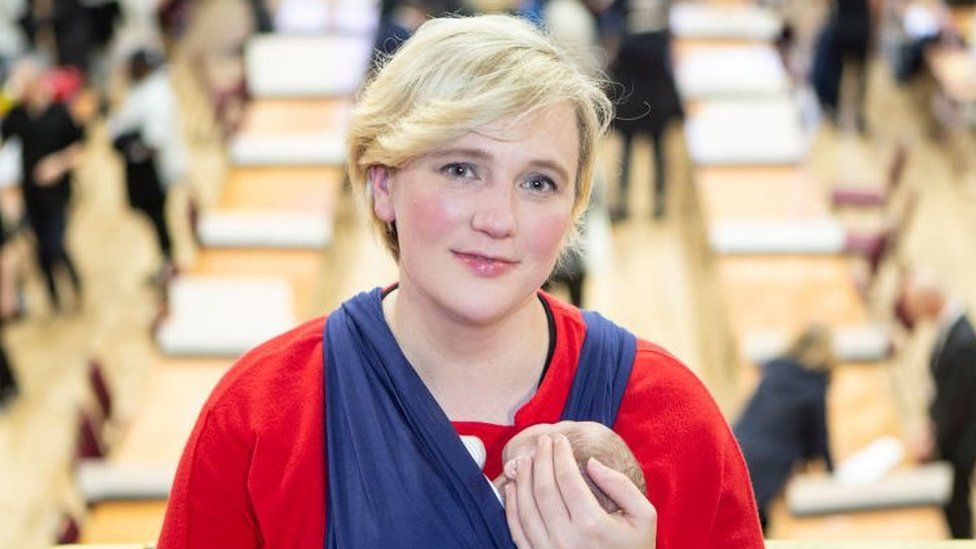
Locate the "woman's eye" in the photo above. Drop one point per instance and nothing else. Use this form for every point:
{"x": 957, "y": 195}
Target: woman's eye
{"x": 540, "y": 184}
{"x": 459, "y": 170}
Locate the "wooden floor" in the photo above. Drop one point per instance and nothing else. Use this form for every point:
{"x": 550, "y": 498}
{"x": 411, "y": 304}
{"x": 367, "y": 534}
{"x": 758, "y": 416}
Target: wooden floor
{"x": 644, "y": 282}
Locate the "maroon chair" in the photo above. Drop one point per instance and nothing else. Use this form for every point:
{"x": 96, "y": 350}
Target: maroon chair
{"x": 875, "y": 248}
{"x": 70, "y": 532}
{"x": 860, "y": 196}
{"x": 96, "y": 378}
{"x": 89, "y": 444}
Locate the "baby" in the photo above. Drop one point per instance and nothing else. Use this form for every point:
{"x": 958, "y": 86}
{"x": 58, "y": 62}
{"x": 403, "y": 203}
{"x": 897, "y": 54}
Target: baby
{"x": 587, "y": 439}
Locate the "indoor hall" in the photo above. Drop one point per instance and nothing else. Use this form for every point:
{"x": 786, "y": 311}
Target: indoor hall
{"x": 696, "y": 280}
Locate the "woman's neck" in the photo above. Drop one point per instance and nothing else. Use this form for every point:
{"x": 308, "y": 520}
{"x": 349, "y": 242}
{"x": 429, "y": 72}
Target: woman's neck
{"x": 475, "y": 372}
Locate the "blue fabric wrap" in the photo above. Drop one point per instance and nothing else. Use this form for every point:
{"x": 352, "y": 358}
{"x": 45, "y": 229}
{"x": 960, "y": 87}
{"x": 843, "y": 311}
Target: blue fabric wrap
{"x": 399, "y": 475}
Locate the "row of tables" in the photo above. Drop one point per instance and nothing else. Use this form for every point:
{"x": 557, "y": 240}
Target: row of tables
{"x": 760, "y": 292}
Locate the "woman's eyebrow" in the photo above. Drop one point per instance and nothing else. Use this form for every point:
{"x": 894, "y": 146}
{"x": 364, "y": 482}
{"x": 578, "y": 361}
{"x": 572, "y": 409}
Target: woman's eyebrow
{"x": 554, "y": 166}
{"x": 485, "y": 155}
{"x": 467, "y": 152}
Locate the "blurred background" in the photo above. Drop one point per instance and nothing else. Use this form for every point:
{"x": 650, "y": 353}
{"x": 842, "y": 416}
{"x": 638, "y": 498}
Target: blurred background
{"x": 787, "y": 202}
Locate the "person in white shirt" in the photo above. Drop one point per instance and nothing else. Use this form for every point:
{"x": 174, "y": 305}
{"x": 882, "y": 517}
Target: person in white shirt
{"x": 146, "y": 131}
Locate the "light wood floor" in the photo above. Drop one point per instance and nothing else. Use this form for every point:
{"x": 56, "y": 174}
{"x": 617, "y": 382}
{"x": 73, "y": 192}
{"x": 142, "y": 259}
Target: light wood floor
{"x": 646, "y": 286}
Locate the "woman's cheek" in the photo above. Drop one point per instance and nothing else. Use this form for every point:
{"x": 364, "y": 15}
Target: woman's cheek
{"x": 435, "y": 216}
{"x": 547, "y": 232}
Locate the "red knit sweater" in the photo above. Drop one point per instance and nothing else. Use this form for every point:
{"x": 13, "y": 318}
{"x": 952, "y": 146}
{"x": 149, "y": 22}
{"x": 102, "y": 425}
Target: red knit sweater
{"x": 253, "y": 471}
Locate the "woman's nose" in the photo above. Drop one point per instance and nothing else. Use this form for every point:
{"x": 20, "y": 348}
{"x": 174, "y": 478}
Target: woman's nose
{"x": 494, "y": 213}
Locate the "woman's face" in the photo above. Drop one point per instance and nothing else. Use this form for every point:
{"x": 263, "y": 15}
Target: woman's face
{"x": 481, "y": 221}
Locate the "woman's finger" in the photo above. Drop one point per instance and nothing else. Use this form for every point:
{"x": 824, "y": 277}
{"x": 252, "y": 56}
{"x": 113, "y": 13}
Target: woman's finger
{"x": 548, "y": 498}
{"x": 580, "y": 501}
{"x": 511, "y": 513}
{"x": 622, "y": 491}
{"x": 528, "y": 512}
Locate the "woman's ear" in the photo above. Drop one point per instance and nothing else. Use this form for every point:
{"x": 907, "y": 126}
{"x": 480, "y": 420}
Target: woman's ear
{"x": 379, "y": 183}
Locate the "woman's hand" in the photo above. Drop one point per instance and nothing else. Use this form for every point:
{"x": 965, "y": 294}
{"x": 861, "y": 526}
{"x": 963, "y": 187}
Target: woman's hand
{"x": 550, "y": 505}
{"x": 49, "y": 170}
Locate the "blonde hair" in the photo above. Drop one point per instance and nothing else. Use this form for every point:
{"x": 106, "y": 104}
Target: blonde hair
{"x": 456, "y": 75}
{"x": 814, "y": 348}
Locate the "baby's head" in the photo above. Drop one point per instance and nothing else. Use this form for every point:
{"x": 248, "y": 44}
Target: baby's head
{"x": 587, "y": 439}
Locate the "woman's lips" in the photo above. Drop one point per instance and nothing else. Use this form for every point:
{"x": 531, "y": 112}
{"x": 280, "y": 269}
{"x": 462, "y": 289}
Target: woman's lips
{"x": 485, "y": 265}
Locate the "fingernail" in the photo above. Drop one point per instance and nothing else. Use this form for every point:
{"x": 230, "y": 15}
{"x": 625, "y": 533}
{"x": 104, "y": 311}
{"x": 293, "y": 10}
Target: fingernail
{"x": 511, "y": 468}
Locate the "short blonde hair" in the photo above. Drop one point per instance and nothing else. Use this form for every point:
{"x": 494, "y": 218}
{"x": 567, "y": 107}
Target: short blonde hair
{"x": 459, "y": 74}
{"x": 814, "y": 348}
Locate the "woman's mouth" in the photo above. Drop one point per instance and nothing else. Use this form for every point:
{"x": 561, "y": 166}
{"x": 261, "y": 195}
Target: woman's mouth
{"x": 485, "y": 265}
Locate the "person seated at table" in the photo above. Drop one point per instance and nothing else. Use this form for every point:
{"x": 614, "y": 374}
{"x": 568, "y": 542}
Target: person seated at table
{"x": 473, "y": 146}
{"x": 785, "y": 420}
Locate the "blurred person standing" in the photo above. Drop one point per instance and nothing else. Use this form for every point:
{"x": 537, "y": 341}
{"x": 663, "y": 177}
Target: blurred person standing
{"x": 146, "y": 131}
{"x": 8, "y": 383}
{"x": 785, "y": 421}
{"x": 50, "y": 148}
{"x": 70, "y": 27}
{"x": 645, "y": 92}
{"x": 400, "y": 18}
{"x": 843, "y": 45}
{"x": 951, "y": 431}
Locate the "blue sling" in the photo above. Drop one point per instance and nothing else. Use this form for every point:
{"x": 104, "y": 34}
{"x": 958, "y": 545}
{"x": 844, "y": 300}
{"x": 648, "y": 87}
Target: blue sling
{"x": 398, "y": 473}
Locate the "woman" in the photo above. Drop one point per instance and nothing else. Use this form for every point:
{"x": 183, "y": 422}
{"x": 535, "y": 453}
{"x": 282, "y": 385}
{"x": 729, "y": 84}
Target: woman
{"x": 474, "y": 147}
{"x": 785, "y": 422}
{"x": 50, "y": 142}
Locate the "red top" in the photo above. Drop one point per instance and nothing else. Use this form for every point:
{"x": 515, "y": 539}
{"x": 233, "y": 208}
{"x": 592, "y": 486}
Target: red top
{"x": 253, "y": 471}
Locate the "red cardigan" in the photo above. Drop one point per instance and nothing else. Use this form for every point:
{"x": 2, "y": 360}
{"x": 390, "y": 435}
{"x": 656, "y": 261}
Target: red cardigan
{"x": 253, "y": 471}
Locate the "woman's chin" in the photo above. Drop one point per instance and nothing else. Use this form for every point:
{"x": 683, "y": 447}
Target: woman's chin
{"x": 484, "y": 305}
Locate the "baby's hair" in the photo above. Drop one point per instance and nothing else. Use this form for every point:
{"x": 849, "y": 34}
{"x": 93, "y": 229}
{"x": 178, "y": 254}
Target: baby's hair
{"x": 607, "y": 447}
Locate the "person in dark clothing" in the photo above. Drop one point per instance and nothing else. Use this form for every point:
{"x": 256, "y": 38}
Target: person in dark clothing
{"x": 951, "y": 433}
{"x": 843, "y": 44}
{"x": 645, "y": 92}
{"x": 785, "y": 421}
{"x": 71, "y": 26}
{"x": 145, "y": 130}
{"x": 398, "y": 19}
{"x": 261, "y": 16}
{"x": 50, "y": 147}
{"x": 103, "y": 15}
{"x": 8, "y": 383}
